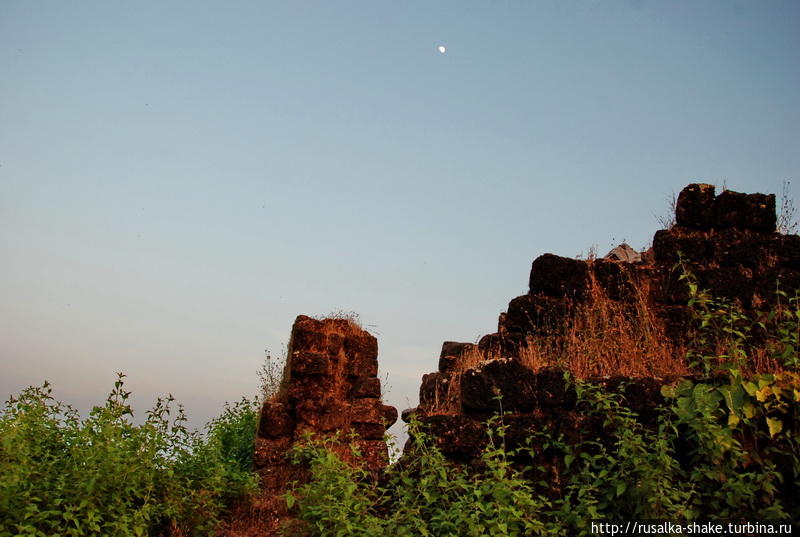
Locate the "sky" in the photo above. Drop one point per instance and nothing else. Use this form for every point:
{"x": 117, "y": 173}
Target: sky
{"x": 179, "y": 180}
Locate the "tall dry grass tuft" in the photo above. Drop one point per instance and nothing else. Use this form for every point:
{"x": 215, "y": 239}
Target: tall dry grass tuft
{"x": 352, "y": 318}
{"x": 606, "y": 337}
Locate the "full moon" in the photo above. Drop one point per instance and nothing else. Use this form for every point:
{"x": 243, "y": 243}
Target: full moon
{"x": 441, "y": 49}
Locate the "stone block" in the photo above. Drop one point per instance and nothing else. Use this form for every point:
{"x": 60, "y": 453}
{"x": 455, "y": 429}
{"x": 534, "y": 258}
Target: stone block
{"x": 365, "y": 387}
{"x": 366, "y": 411}
{"x": 667, "y": 287}
{"x": 409, "y": 414}
{"x": 552, "y": 390}
{"x": 558, "y": 276}
{"x": 615, "y": 278}
{"x": 534, "y": 314}
{"x": 733, "y": 247}
{"x": 322, "y": 418}
{"x": 271, "y": 451}
{"x": 307, "y": 335}
{"x": 497, "y": 385}
{"x": 362, "y": 353}
{"x": 497, "y": 343}
{"x": 369, "y": 431}
{"x": 641, "y": 395}
{"x": 308, "y": 363}
{"x": 434, "y": 391}
{"x": 451, "y": 354}
{"x": 734, "y": 283}
{"x": 388, "y": 415}
{"x": 459, "y": 437}
{"x": 694, "y": 207}
{"x": 275, "y": 421}
{"x": 334, "y": 343}
{"x": 303, "y": 389}
{"x": 755, "y": 212}
{"x": 693, "y": 245}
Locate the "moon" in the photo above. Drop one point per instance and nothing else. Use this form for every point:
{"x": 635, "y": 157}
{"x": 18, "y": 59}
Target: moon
{"x": 441, "y": 49}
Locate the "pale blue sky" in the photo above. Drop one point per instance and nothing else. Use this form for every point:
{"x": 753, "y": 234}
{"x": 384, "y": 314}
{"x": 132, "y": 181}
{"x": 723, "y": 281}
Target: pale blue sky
{"x": 179, "y": 180}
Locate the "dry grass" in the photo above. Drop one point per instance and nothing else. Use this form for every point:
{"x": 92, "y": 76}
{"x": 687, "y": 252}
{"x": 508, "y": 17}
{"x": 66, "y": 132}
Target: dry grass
{"x": 605, "y": 337}
{"x": 601, "y": 337}
{"x": 352, "y": 318}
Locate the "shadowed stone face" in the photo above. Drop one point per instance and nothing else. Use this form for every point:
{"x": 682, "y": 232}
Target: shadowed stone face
{"x": 727, "y": 241}
{"x": 695, "y": 207}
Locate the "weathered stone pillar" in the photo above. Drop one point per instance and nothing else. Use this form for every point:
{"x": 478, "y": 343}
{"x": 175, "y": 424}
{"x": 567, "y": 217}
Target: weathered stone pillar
{"x": 330, "y": 385}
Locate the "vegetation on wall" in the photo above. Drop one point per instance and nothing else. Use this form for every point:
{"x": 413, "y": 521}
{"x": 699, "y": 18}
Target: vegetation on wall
{"x": 722, "y": 445}
{"x": 713, "y": 453}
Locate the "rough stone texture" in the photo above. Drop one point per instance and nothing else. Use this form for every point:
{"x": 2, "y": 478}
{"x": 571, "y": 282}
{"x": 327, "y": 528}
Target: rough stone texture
{"x": 552, "y": 390}
{"x": 452, "y": 353}
{"x": 499, "y": 343}
{"x": 667, "y": 243}
{"x": 695, "y": 207}
{"x": 497, "y": 385}
{"x": 615, "y": 278}
{"x": 433, "y": 391}
{"x": 330, "y": 385}
{"x": 558, "y": 276}
{"x": 755, "y": 212}
{"x": 728, "y": 242}
{"x": 625, "y": 253}
{"x": 533, "y": 314}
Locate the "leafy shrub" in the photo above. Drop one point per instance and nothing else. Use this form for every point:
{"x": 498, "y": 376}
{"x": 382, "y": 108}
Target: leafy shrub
{"x": 339, "y": 500}
{"x": 61, "y": 474}
{"x": 422, "y": 495}
{"x": 632, "y": 473}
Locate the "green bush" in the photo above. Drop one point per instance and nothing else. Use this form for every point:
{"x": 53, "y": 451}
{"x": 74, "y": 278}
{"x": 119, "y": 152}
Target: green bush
{"x": 61, "y": 474}
{"x": 695, "y": 461}
{"x": 422, "y": 495}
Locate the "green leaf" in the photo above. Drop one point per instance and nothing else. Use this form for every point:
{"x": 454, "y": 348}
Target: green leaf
{"x": 733, "y": 420}
{"x": 775, "y": 426}
{"x": 749, "y": 410}
{"x": 750, "y": 387}
{"x": 669, "y": 391}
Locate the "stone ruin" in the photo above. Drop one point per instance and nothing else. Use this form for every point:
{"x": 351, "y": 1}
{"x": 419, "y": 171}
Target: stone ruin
{"x": 728, "y": 241}
{"x": 330, "y": 385}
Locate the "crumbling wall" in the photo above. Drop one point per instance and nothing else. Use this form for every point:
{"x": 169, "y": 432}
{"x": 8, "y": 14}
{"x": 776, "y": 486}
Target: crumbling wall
{"x": 330, "y": 385}
{"x": 728, "y": 241}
